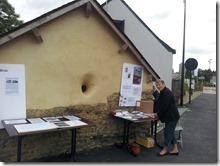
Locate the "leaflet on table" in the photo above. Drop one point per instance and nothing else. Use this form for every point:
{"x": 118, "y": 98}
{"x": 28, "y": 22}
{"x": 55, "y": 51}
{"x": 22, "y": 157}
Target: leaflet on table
{"x": 23, "y": 128}
{"x": 36, "y": 120}
{"x": 133, "y": 115}
{"x": 72, "y": 117}
{"x": 15, "y": 121}
{"x": 61, "y": 124}
{"x": 60, "y": 118}
{"x": 31, "y": 127}
{"x": 51, "y": 119}
{"x": 121, "y": 113}
{"x": 76, "y": 123}
{"x": 125, "y": 115}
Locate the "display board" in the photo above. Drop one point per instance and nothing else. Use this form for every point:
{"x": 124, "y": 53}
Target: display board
{"x": 131, "y": 84}
{"x": 12, "y": 92}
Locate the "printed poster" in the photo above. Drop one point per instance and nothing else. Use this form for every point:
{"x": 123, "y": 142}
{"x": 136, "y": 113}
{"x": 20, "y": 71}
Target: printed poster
{"x": 12, "y": 92}
{"x": 131, "y": 84}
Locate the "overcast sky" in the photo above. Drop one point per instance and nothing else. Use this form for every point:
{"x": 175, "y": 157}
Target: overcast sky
{"x": 164, "y": 18}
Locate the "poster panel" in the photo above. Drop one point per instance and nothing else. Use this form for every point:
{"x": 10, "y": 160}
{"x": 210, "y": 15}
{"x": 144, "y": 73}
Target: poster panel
{"x": 12, "y": 92}
{"x": 131, "y": 84}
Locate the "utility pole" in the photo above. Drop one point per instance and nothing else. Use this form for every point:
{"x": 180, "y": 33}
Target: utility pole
{"x": 210, "y": 63}
{"x": 210, "y": 77}
{"x": 183, "y": 58}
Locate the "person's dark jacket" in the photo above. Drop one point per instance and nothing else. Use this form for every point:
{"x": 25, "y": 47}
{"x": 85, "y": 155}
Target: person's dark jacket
{"x": 156, "y": 95}
{"x": 167, "y": 107}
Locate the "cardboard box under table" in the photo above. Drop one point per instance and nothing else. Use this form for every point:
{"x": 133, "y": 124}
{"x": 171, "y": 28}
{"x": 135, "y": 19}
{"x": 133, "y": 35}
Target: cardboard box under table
{"x": 146, "y": 141}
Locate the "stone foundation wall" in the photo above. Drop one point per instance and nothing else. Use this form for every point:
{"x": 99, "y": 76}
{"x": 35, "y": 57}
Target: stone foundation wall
{"x": 103, "y": 130}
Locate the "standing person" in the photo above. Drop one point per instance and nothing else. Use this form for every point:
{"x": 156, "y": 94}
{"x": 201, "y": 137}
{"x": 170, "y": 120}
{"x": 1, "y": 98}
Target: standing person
{"x": 156, "y": 95}
{"x": 168, "y": 114}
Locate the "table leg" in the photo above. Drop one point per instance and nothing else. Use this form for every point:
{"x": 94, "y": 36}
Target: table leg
{"x": 19, "y": 148}
{"x": 152, "y": 128}
{"x": 125, "y": 135}
{"x": 73, "y": 144}
{"x": 155, "y": 134}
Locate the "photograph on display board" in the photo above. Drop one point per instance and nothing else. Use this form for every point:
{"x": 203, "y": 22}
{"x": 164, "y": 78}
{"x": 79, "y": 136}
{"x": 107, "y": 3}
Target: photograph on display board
{"x": 137, "y": 75}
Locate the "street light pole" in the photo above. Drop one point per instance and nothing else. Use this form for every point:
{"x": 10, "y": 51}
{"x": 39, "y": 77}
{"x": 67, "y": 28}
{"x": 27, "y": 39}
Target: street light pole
{"x": 183, "y": 58}
{"x": 210, "y": 63}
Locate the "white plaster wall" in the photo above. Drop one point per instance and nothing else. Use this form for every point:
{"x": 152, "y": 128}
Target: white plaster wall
{"x": 70, "y": 56}
{"x": 152, "y": 50}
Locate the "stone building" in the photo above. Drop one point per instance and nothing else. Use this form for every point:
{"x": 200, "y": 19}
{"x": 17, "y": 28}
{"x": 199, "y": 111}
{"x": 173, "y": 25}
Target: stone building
{"x": 73, "y": 59}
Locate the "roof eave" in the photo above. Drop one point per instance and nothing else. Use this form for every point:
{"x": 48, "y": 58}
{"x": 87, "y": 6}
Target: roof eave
{"x": 173, "y": 51}
{"x": 27, "y": 27}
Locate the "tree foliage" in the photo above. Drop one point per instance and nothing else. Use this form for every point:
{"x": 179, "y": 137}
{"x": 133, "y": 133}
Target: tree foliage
{"x": 8, "y": 18}
{"x": 207, "y": 74}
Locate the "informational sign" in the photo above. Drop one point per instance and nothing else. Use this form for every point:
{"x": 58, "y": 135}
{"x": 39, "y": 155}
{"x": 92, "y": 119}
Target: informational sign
{"x": 131, "y": 84}
{"x": 192, "y": 83}
{"x": 12, "y": 92}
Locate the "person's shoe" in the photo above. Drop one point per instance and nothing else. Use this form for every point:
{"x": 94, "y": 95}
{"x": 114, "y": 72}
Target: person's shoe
{"x": 175, "y": 153}
{"x": 161, "y": 155}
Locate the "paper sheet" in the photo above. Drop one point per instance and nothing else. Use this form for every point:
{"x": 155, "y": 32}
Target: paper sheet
{"x": 72, "y": 117}
{"x": 22, "y": 128}
{"x": 16, "y": 121}
{"x": 76, "y": 123}
{"x": 36, "y": 120}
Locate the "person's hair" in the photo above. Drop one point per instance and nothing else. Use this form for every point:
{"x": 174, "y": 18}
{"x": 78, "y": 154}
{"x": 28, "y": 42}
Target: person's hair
{"x": 160, "y": 81}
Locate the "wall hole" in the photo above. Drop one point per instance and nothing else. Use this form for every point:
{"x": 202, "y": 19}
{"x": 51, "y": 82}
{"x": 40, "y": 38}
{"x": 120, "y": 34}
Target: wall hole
{"x": 87, "y": 84}
{"x": 84, "y": 88}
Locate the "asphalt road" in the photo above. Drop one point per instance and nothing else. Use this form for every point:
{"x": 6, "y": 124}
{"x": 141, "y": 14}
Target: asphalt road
{"x": 199, "y": 139}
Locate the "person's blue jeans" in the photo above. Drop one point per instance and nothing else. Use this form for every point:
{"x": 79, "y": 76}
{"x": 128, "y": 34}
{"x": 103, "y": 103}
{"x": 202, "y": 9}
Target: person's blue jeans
{"x": 169, "y": 133}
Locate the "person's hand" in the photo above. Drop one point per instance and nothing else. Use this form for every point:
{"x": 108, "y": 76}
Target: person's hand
{"x": 155, "y": 115}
